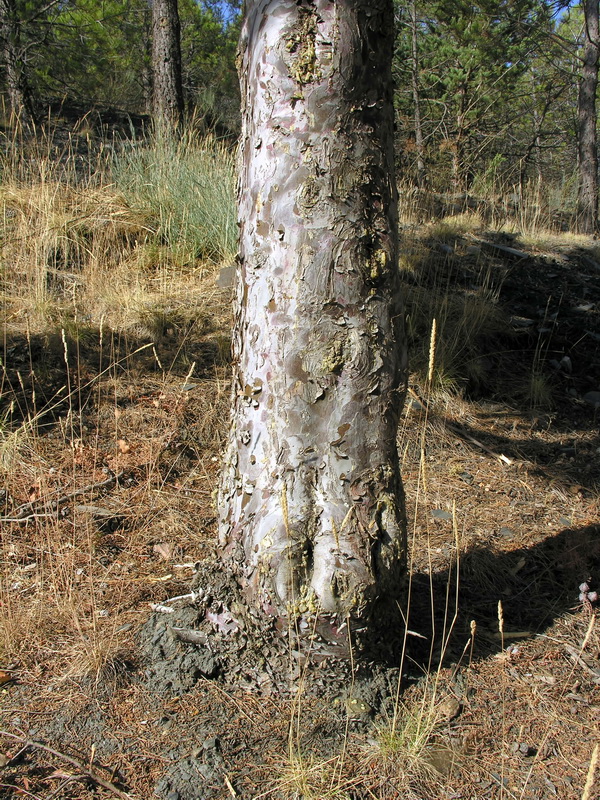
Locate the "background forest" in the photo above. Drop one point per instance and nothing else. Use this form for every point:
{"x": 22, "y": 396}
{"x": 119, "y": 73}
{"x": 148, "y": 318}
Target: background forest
{"x": 98, "y": 55}
{"x": 486, "y": 93}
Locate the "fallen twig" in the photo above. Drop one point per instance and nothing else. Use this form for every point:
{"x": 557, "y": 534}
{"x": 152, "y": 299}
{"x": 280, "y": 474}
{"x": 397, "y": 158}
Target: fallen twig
{"x": 189, "y": 635}
{"x": 28, "y": 510}
{"x": 12, "y": 761}
{"x": 159, "y": 608}
{"x": 162, "y": 608}
{"x": 20, "y": 790}
{"x": 477, "y": 443}
{"x": 232, "y": 791}
{"x": 28, "y": 518}
{"x": 88, "y": 772}
{"x": 61, "y": 786}
{"x": 193, "y": 596}
{"x": 578, "y": 659}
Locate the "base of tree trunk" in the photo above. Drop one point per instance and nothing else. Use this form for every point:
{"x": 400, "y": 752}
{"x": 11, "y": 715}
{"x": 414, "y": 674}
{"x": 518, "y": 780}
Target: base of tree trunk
{"x": 217, "y": 639}
{"x": 215, "y": 635}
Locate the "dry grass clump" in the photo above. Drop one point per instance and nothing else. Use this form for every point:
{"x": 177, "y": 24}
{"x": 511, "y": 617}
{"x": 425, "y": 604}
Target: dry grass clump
{"x": 113, "y": 364}
{"x": 148, "y": 223}
{"x": 470, "y": 324}
{"x": 82, "y": 550}
{"x": 452, "y": 226}
{"x": 462, "y": 274}
{"x": 74, "y": 540}
{"x": 311, "y": 778}
{"x": 187, "y": 188}
{"x": 413, "y": 754}
{"x": 467, "y": 324}
{"x": 60, "y": 244}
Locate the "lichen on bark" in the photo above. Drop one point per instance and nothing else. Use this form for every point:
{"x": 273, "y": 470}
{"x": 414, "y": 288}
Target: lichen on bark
{"x": 300, "y": 43}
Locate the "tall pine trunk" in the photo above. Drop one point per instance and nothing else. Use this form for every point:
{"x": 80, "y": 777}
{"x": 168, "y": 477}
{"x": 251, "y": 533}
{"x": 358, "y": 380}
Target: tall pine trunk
{"x": 459, "y": 172}
{"x": 310, "y": 503}
{"x": 17, "y": 85}
{"x": 146, "y": 72}
{"x": 414, "y": 73}
{"x": 588, "y": 146}
{"x": 167, "y": 102}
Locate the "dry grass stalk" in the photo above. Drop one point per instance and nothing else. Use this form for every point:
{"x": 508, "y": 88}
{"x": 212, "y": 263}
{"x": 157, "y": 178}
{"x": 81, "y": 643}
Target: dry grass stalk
{"x": 591, "y": 774}
{"x": 432, "y": 342}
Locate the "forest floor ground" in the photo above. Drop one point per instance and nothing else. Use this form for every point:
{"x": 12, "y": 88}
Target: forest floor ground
{"x": 110, "y": 456}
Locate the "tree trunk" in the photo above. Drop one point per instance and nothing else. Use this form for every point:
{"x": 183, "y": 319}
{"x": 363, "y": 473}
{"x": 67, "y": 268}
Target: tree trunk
{"x": 310, "y": 505}
{"x": 419, "y": 141}
{"x": 459, "y": 179}
{"x": 17, "y": 85}
{"x": 588, "y": 147}
{"x": 166, "y": 67}
{"x": 146, "y": 73}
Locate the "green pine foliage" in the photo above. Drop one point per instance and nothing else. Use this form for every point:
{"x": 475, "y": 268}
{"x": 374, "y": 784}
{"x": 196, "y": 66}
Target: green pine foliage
{"x": 496, "y": 81}
{"x": 98, "y": 53}
{"x": 492, "y": 88}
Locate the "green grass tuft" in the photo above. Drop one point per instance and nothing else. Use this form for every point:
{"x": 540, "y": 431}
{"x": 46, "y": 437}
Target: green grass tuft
{"x": 186, "y": 191}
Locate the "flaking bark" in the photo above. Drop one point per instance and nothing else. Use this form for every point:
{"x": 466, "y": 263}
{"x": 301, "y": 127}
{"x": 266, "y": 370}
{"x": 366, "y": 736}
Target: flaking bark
{"x": 310, "y": 504}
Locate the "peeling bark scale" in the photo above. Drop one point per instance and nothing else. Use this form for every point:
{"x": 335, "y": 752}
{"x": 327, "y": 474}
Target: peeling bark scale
{"x": 311, "y": 513}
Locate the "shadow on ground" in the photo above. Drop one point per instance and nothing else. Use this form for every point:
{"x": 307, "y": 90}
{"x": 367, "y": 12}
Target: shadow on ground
{"x": 44, "y": 375}
{"x": 535, "y": 586}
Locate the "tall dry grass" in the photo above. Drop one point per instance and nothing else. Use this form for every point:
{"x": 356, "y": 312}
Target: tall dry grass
{"x": 107, "y": 242}
{"x": 102, "y": 261}
{"x": 186, "y": 187}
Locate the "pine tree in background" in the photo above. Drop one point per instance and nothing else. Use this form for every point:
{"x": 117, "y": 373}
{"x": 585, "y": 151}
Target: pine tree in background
{"x": 167, "y": 104}
{"x": 13, "y": 56}
{"x": 587, "y": 119}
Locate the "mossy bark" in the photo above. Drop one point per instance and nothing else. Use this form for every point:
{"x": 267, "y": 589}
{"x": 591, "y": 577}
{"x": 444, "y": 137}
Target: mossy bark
{"x": 310, "y": 503}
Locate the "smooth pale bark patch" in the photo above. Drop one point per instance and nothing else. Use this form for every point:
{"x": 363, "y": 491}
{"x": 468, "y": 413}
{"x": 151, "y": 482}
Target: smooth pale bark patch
{"x": 310, "y": 503}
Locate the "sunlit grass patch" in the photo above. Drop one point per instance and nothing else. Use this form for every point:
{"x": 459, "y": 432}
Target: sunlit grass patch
{"x": 187, "y": 189}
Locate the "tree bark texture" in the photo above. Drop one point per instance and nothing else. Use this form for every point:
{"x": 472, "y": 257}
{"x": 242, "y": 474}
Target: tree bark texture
{"x": 310, "y": 505}
{"x": 166, "y": 66}
{"x": 17, "y": 85}
{"x": 588, "y": 146}
{"x": 459, "y": 176}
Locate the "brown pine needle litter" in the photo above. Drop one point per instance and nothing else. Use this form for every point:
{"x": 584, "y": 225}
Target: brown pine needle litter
{"x": 114, "y": 397}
